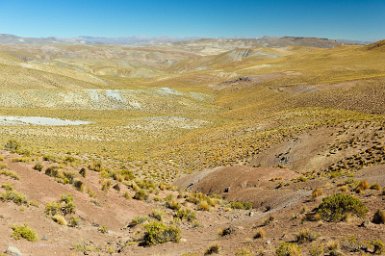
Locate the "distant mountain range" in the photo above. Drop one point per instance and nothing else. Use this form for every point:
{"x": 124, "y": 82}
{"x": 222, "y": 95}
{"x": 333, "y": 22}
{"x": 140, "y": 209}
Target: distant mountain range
{"x": 134, "y": 40}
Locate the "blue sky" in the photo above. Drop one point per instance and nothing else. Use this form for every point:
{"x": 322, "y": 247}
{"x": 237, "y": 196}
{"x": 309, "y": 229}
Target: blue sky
{"x": 340, "y": 19}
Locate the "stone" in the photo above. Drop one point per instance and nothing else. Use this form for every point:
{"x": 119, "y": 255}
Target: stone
{"x": 13, "y": 251}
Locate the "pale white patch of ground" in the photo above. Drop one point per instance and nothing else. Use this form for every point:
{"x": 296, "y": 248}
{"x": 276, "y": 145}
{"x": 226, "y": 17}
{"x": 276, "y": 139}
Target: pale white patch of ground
{"x": 115, "y": 95}
{"x": 38, "y": 120}
{"x": 168, "y": 91}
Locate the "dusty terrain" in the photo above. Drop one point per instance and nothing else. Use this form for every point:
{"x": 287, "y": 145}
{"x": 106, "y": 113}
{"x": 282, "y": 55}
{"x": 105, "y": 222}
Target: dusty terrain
{"x": 233, "y": 146}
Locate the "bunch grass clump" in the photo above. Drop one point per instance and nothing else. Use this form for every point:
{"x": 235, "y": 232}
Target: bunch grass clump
{"x": 25, "y": 232}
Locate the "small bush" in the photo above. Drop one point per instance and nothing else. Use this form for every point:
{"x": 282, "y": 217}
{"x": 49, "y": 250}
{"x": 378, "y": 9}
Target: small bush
{"x": 173, "y": 205}
{"x": 52, "y": 171}
{"x": 288, "y": 249}
{"x": 64, "y": 206}
{"x": 138, "y": 220}
{"x": 375, "y": 187}
{"x": 103, "y": 229}
{"x": 141, "y": 195}
{"x": 316, "y": 250}
{"x": 306, "y": 236}
{"x": 123, "y": 175}
{"x": 317, "y": 193}
{"x": 25, "y": 232}
{"x": 67, "y": 204}
{"x": 213, "y": 249}
{"x": 158, "y": 233}
{"x": 157, "y": 214}
{"x": 83, "y": 172}
{"x": 106, "y": 185}
{"x": 185, "y": 214}
{"x": 95, "y": 166}
{"x": 267, "y": 221}
{"x": 227, "y": 231}
{"x": 332, "y": 247}
{"x": 362, "y": 186}
{"x": 261, "y": 233}
{"x": 10, "y": 174}
{"x": 79, "y": 185}
{"x": 378, "y": 247}
{"x": 335, "y": 207}
{"x": 241, "y": 205}
{"x": 379, "y": 217}
{"x": 38, "y": 167}
{"x": 11, "y": 195}
{"x": 74, "y": 222}
{"x": 204, "y": 206}
{"x": 12, "y": 145}
{"x": 59, "y": 219}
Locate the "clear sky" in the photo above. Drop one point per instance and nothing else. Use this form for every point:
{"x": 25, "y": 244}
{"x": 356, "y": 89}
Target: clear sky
{"x": 339, "y": 19}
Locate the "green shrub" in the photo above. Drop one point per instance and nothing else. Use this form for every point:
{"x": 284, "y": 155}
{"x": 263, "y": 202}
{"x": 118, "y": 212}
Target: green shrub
{"x": 11, "y": 195}
{"x": 241, "y": 205}
{"x": 316, "y": 193}
{"x": 138, "y": 220}
{"x": 204, "y": 206}
{"x": 378, "y": 247}
{"x": 25, "y": 232}
{"x": 64, "y": 206}
{"x": 375, "y": 187}
{"x": 316, "y": 250}
{"x": 38, "y": 167}
{"x": 12, "y": 145}
{"x": 103, "y": 229}
{"x": 68, "y": 177}
{"x": 78, "y": 184}
{"x": 306, "y": 236}
{"x": 141, "y": 195}
{"x": 123, "y": 175}
{"x": 106, "y": 184}
{"x": 10, "y": 174}
{"x": 59, "y": 219}
{"x": 288, "y": 249}
{"x": 158, "y": 233}
{"x": 157, "y": 214}
{"x": 7, "y": 187}
{"x": 185, "y": 214}
{"x": 74, "y": 222}
{"x": 52, "y": 171}
{"x": 335, "y": 207}
{"x": 95, "y": 166}
{"x": 173, "y": 205}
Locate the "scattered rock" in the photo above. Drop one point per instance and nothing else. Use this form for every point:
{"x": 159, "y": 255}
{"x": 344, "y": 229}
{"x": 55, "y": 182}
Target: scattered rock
{"x": 13, "y": 251}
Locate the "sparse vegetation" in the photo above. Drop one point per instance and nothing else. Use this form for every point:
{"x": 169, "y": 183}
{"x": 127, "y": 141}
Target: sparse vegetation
{"x": 335, "y": 207}
{"x": 10, "y": 174}
{"x": 288, "y": 249}
{"x": 241, "y": 205}
{"x": 306, "y": 236}
{"x": 213, "y": 249}
{"x": 158, "y": 233}
{"x": 12, "y": 195}
{"x": 24, "y": 232}
{"x": 12, "y": 145}
{"x": 261, "y": 233}
{"x": 379, "y": 217}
